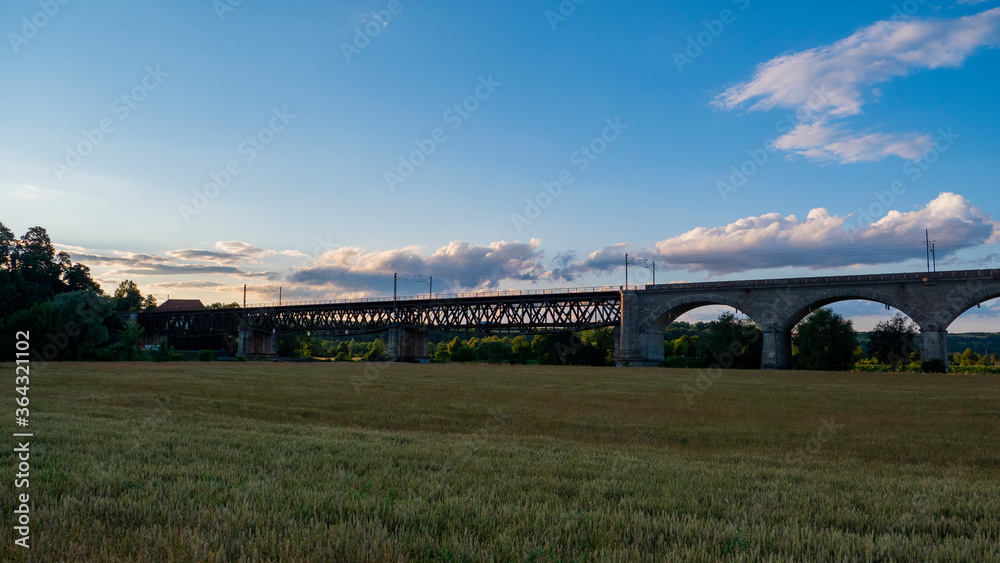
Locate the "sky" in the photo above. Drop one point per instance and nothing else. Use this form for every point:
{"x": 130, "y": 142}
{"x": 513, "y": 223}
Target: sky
{"x": 198, "y": 146}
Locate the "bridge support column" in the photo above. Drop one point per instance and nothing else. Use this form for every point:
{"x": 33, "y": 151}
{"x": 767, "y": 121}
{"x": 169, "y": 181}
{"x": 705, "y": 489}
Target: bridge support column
{"x": 243, "y": 347}
{"x": 633, "y": 345}
{"x": 777, "y": 353}
{"x": 934, "y": 345}
{"x": 408, "y": 344}
{"x": 272, "y": 345}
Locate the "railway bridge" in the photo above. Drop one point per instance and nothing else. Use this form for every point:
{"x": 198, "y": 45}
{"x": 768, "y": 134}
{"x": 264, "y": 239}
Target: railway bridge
{"x": 638, "y": 313}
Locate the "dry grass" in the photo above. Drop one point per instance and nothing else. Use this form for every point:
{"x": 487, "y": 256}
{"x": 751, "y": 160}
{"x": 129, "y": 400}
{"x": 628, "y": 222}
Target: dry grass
{"x": 283, "y": 462}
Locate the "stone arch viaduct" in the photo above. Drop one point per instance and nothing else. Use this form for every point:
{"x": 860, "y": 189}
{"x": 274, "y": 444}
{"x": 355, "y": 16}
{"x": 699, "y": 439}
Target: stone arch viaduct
{"x": 932, "y": 300}
{"x": 638, "y": 313}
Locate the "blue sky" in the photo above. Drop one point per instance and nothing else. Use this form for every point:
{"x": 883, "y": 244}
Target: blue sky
{"x": 197, "y": 146}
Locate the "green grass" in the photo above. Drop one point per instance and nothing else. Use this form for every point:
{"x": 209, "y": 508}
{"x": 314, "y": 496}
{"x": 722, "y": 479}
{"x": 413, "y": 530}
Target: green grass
{"x": 348, "y": 462}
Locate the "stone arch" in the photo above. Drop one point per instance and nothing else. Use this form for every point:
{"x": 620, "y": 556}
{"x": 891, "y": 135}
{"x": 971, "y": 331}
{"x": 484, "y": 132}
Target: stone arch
{"x": 955, "y": 303}
{"x": 673, "y": 307}
{"x": 798, "y": 309}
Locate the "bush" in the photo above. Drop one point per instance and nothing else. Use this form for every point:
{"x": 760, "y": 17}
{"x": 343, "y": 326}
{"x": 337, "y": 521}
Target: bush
{"x": 166, "y": 353}
{"x": 684, "y": 362}
{"x": 886, "y": 368}
{"x": 241, "y": 358}
{"x": 933, "y": 366}
{"x": 206, "y": 355}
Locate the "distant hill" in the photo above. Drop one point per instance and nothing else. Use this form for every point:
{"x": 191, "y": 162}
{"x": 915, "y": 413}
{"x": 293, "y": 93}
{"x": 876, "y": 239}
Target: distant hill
{"x": 980, "y": 342}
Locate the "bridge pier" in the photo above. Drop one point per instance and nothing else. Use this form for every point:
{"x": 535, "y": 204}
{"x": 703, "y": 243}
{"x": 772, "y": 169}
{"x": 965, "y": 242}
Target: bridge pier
{"x": 777, "y": 352}
{"x": 243, "y": 345}
{"x": 934, "y": 345}
{"x": 257, "y": 344}
{"x": 633, "y": 345}
{"x": 408, "y": 344}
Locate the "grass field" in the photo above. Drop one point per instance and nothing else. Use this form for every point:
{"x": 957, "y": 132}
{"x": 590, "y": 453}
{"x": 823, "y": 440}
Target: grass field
{"x": 330, "y": 462}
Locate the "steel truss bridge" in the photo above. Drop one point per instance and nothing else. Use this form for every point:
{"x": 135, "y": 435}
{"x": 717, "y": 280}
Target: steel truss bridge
{"x": 510, "y": 312}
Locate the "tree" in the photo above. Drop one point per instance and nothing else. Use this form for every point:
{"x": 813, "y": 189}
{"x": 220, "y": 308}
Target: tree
{"x": 521, "y": 348}
{"x": 128, "y": 297}
{"x": 734, "y": 343}
{"x": 893, "y": 340}
{"x": 494, "y": 351}
{"x": 42, "y": 322}
{"x": 968, "y": 358}
{"x": 826, "y": 341}
{"x": 603, "y": 339}
{"x": 441, "y": 354}
{"x": 82, "y": 316}
{"x": 546, "y": 348}
{"x": 460, "y": 351}
{"x": 686, "y": 346}
{"x": 377, "y": 352}
{"x": 7, "y": 244}
{"x": 77, "y": 277}
{"x": 129, "y": 343}
{"x": 36, "y": 256}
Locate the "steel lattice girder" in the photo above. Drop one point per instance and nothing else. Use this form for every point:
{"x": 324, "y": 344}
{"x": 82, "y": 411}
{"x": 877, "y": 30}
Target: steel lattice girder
{"x": 511, "y": 314}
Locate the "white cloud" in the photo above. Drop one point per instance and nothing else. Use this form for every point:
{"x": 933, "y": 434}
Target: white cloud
{"x": 822, "y": 241}
{"x": 824, "y": 142}
{"x": 829, "y": 83}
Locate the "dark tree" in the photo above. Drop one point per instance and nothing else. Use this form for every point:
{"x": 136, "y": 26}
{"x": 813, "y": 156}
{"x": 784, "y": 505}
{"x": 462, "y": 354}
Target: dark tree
{"x": 7, "y": 245}
{"x": 892, "y": 341}
{"x": 826, "y": 341}
{"x": 733, "y": 343}
{"x": 82, "y": 317}
{"x": 77, "y": 277}
{"x": 128, "y": 297}
{"x": 521, "y": 348}
{"x": 494, "y": 352}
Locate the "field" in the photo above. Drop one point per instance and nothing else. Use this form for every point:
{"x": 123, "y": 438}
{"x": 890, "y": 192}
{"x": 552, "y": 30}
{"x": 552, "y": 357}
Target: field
{"x": 348, "y": 462}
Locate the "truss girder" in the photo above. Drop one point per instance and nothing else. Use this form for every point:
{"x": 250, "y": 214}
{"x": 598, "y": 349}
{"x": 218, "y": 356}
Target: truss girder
{"x": 503, "y": 314}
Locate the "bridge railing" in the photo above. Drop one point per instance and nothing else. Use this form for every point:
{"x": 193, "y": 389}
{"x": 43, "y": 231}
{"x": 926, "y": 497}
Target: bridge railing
{"x": 854, "y": 278}
{"x": 472, "y": 295}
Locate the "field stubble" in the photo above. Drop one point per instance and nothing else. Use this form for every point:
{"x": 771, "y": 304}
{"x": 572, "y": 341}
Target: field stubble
{"x": 267, "y": 462}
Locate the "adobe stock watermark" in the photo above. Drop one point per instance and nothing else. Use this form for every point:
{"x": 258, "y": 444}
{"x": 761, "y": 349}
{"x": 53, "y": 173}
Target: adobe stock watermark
{"x": 563, "y": 11}
{"x": 741, "y": 173}
{"x": 366, "y": 33}
{"x": 582, "y": 159}
{"x": 696, "y": 44}
{"x": 249, "y": 150}
{"x": 912, "y": 171}
{"x": 32, "y": 25}
{"x": 223, "y": 7}
{"x": 122, "y": 107}
{"x": 455, "y": 117}
{"x": 905, "y": 12}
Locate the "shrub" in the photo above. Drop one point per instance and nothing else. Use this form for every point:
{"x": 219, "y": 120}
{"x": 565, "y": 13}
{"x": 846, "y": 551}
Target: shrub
{"x": 933, "y": 366}
{"x": 206, "y": 355}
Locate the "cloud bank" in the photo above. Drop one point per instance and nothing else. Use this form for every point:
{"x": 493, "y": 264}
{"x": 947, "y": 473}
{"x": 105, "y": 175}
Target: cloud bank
{"x": 822, "y": 241}
{"x": 459, "y": 266}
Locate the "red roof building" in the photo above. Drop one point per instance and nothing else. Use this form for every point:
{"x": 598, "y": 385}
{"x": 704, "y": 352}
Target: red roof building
{"x": 180, "y": 305}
